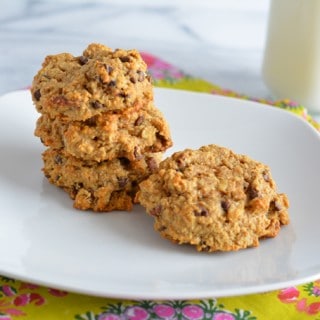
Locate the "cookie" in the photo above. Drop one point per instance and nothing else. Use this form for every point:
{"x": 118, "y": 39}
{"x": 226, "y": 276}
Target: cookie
{"x": 214, "y": 199}
{"x": 129, "y": 134}
{"x": 101, "y": 80}
{"x": 105, "y": 186}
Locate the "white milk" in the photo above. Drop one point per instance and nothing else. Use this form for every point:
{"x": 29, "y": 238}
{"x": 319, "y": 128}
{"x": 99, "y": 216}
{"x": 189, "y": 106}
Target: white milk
{"x": 291, "y": 65}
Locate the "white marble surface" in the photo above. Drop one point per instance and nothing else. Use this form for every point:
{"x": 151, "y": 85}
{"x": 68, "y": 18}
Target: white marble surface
{"x": 219, "y": 40}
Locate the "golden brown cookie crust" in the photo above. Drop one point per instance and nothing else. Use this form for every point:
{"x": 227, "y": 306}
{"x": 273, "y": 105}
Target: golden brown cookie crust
{"x": 101, "y": 80}
{"x": 214, "y": 199}
{"x": 105, "y": 186}
{"x": 129, "y": 134}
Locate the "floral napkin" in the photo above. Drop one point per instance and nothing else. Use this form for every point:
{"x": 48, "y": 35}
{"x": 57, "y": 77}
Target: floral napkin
{"x": 20, "y": 300}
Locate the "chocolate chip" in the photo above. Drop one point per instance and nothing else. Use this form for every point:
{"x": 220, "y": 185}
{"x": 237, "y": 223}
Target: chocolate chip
{"x": 152, "y": 164}
{"x": 91, "y": 122}
{"x": 122, "y": 181}
{"x": 136, "y": 153}
{"x": 124, "y": 161}
{"x": 148, "y": 77}
{"x": 180, "y": 163}
{"x": 124, "y": 59}
{"x": 225, "y": 205}
{"x": 58, "y": 159}
{"x": 139, "y": 121}
{"x": 83, "y": 60}
{"x": 266, "y": 176}
{"x": 123, "y": 95}
{"x": 134, "y": 184}
{"x": 133, "y": 80}
{"x": 37, "y": 94}
{"x": 202, "y": 212}
{"x": 75, "y": 189}
{"x": 204, "y": 246}
{"x": 141, "y": 75}
{"x": 277, "y": 205}
{"x": 96, "y": 105}
{"x": 100, "y": 79}
{"x": 112, "y": 83}
{"x": 108, "y": 68}
{"x": 156, "y": 210}
{"x": 252, "y": 193}
{"x": 206, "y": 249}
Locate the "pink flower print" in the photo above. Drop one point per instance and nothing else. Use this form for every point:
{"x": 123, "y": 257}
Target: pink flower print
{"x": 163, "y": 311}
{"x": 21, "y": 300}
{"x": 148, "y": 58}
{"x": 8, "y": 291}
{"x": 316, "y": 290}
{"x": 302, "y": 305}
{"x": 37, "y": 299}
{"x": 288, "y": 295}
{"x": 223, "y": 316}
{"x": 314, "y": 308}
{"x": 6, "y": 312}
{"x": 109, "y": 316}
{"x": 160, "y": 69}
{"x": 136, "y": 313}
{"x": 57, "y": 293}
{"x": 192, "y": 312}
{"x": 31, "y": 286}
{"x": 25, "y": 299}
{"x": 11, "y": 312}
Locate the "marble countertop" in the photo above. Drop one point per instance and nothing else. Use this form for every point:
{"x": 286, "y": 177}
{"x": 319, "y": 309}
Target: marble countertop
{"x": 219, "y": 40}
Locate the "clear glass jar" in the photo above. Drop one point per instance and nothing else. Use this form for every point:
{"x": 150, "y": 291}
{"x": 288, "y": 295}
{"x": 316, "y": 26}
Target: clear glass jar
{"x": 291, "y": 66}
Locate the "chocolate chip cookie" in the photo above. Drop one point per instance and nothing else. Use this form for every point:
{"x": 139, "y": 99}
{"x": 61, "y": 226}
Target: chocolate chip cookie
{"x": 100, "y": 80}
{"x": 214, "y": 199}
{"x": 129, "y": 134}
{"x": 99, "y": 186}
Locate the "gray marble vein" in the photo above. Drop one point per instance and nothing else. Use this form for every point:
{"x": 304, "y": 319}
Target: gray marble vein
{"x": 221, "y": 41}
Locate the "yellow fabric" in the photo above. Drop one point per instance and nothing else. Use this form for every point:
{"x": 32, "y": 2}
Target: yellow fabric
{"x": 20, "y": 300}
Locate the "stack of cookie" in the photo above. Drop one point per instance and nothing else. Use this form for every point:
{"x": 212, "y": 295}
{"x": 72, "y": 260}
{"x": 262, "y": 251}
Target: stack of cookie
{"x": 104, "y": 134}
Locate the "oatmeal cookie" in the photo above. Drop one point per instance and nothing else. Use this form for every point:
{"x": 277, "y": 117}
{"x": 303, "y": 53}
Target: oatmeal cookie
{"x": 214, "y": 199}
{"x": 105, "y": 186}
{"x": 129, "y": 134}
{"x": 101, "y": 80}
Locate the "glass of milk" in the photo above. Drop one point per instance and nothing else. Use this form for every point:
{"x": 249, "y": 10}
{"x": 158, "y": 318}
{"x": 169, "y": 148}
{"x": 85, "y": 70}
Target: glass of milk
{"x": 291, "y": 66}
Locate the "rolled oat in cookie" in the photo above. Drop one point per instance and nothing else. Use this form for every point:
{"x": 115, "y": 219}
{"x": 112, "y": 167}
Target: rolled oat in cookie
{"x": 214, "y": 199}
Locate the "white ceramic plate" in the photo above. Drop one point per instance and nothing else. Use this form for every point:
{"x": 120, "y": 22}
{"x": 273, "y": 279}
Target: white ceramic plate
{"x": 44, "y": 240}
